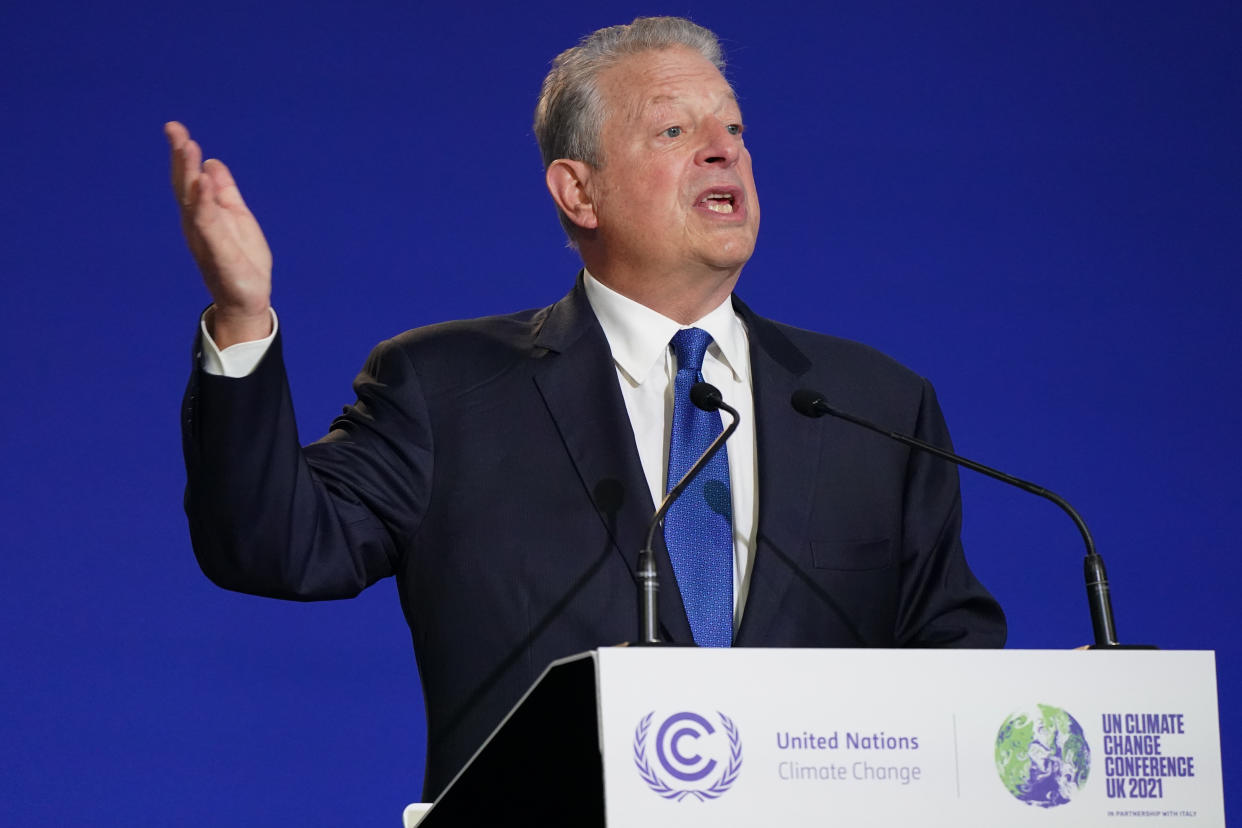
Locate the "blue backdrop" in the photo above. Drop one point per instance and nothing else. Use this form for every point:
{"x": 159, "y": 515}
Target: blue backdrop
{"x": 1036, "y": 204}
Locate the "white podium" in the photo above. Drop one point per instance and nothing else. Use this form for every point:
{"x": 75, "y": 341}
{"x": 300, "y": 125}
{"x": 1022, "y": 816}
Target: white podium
{"x": 689, "y": 737}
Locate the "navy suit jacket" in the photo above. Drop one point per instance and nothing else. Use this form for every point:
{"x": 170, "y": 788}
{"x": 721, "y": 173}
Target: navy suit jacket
{"x": 489, "y": 465}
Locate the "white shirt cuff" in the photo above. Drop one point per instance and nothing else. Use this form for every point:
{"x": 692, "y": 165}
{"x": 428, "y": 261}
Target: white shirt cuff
{"x": 237, "y": 360}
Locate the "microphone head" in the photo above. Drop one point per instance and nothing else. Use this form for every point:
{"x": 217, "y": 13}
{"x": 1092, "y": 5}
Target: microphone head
{"x": 706, "y": 396}
{"x": 808, "y": 402}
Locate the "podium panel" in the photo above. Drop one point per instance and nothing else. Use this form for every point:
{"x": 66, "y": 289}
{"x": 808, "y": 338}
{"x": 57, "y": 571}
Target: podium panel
{"x": 683, "y": 736}
{"x": 698, "y": 737}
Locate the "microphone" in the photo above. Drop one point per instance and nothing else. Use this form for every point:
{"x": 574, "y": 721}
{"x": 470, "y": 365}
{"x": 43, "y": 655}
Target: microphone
{"x": 812, "y": 404}
{"x": 706, "y": 397}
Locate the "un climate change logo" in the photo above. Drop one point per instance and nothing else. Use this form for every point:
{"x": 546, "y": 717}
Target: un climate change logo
{"x": 688, "y": 749}
{"x": 1042, "y": 756}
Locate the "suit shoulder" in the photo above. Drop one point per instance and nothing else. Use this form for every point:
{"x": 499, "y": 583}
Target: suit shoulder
{"x": 846, "y": 358}
{"x": 465, "y": 352}
{"x": 504, "y": 332}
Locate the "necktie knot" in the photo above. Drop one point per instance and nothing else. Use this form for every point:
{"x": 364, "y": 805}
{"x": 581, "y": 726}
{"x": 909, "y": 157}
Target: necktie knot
{"x": 690, "y": 345}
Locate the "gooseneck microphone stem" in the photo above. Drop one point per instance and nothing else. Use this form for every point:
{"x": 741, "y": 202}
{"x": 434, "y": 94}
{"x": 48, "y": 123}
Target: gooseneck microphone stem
{"x": 1099, "y": 600}
{"x": 706, "y": 397}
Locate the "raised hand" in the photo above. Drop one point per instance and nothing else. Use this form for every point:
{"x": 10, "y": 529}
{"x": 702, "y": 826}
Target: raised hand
{"x": 225, "y": 239}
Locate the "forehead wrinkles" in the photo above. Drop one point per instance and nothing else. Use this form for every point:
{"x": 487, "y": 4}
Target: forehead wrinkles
{"x": 657, "y": 105}
{"x": 641, "y": 83}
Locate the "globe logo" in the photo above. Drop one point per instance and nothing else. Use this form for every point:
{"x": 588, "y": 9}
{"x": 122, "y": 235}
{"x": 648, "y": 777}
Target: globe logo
{"x": 1042, "y": 756}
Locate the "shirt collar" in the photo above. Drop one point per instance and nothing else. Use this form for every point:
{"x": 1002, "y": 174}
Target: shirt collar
{"x": 638, "y": 336}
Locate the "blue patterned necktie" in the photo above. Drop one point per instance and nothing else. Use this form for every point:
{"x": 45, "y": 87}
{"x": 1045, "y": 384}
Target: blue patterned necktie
{"x": 698, "y": 529}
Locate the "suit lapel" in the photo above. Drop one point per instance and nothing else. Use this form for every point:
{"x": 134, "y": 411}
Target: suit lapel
{"x": 787, "y": 448}
{"x": 578, "y": 382}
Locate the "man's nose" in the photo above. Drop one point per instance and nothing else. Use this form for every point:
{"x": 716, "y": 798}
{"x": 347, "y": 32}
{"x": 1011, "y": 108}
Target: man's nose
{"x": 720, "y": 146}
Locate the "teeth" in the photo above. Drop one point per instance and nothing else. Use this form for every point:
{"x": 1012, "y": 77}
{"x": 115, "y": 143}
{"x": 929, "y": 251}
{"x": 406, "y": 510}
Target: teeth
{"x": 720, "y": 206}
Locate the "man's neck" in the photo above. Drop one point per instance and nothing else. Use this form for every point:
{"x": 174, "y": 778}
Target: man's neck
{"x": 684, "y": 298}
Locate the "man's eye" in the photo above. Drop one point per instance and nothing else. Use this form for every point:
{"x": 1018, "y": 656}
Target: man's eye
{"x": 673, "y": 132}
{"x": 734, "y": 129}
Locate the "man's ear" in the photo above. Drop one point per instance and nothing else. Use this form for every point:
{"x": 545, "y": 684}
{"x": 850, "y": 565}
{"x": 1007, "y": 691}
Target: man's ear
{"x": 567, "y": 182}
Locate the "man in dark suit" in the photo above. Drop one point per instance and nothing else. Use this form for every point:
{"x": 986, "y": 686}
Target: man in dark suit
{"x": 504, "y": 470}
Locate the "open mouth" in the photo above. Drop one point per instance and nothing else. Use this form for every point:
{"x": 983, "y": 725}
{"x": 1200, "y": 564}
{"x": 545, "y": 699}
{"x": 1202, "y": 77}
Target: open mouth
{"x": 724, "y": 201}
{"x": 718, "y": 202}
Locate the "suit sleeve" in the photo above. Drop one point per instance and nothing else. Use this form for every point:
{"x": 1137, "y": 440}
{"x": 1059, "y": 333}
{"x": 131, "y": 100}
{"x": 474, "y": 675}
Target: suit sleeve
{"x": 942, "y": 604}
{"x": 269, "y": 517}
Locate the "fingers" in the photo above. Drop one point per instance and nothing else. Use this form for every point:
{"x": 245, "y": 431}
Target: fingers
{"x": 176, "y": 133}
{"x": 226, "y": 192}
{"x": 202, "y": 207}
{"x": 187, "y": 167}
{"x": 185, "y": 159}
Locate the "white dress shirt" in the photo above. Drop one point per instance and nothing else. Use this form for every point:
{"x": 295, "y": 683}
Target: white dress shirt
{"x": 646, "y": 366}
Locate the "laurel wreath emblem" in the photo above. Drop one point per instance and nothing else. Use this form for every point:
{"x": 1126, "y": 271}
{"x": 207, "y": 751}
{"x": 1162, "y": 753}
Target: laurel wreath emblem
{"x": 661, "y": 787}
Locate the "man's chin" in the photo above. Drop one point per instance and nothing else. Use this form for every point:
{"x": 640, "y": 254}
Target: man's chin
{"x": 729, "y": 254}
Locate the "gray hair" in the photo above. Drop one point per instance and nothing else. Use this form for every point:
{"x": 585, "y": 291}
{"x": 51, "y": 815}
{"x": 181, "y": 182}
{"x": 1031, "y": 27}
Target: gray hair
{"x": 570, "y": 114}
